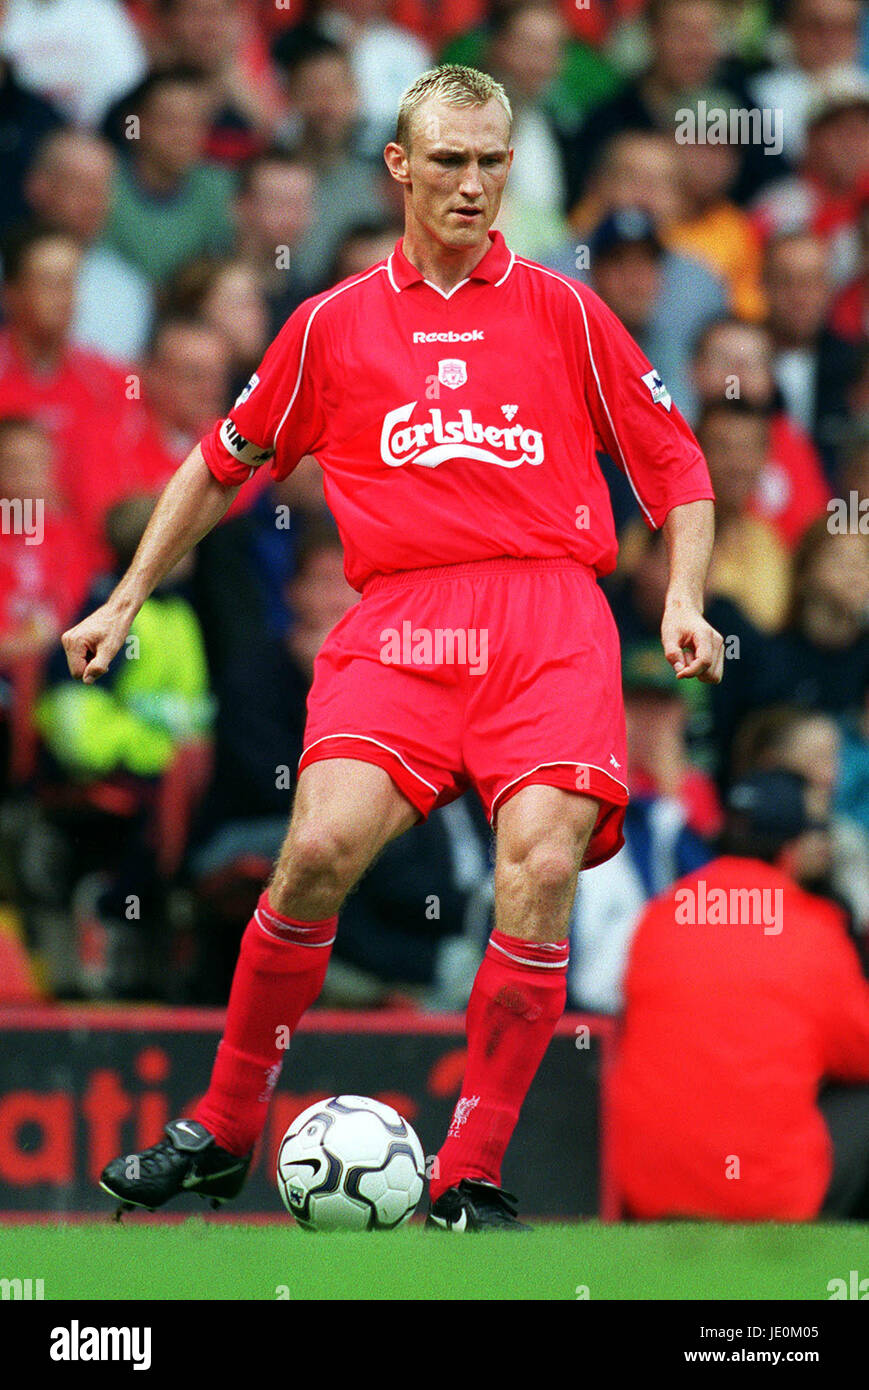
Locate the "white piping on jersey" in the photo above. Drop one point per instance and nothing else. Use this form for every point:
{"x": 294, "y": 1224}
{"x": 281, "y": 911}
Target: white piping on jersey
{"x": 317, "y": 307}
{"x": 365, "y": 739}
{"x": 447, "y": 294}
{"x": 507, "y": 271}
{"x": 561, "y": 762}
{"x": 532, "y": 265}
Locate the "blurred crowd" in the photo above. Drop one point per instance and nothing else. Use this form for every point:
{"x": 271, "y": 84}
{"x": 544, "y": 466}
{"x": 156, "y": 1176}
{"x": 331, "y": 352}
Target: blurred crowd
{"x": 177, "y": 176}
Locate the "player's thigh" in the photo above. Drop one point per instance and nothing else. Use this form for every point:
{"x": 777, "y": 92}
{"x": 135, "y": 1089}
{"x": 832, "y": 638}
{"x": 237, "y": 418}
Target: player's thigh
{"x": 345, "y": 809}
{"x": 545, "y": 831}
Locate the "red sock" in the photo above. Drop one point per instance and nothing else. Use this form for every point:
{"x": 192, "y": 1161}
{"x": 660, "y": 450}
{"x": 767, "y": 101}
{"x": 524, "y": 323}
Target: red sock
{"x": 280, "y": 971}
{"x": 517, "y": 999}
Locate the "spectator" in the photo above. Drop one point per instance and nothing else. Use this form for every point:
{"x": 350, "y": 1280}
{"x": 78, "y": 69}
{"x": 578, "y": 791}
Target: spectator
{"x": 43, "y": 573}
{"x": 713, "y": 229}
{"x": 245, "y": 567}
{"x": 734, "y": 359}
{"x": 324, "y": 101}
{"x": 525, "y": 53}
{"x": 685, "y": 40}
{"x": 852, "y": 794}
{"x": 857, "y": 394}
{"x": 127, "y": 730}
{"x": 849, "y": 312}
{"x": 810, "y": 745}
{"x": 587, "y": 74}
{"x": 86, "y": 403}
{"x": 734, "y": 1020}
{"x": 216, "y": 39}
{"x": 638, "y": 588}
{"x": 168, "y": 203}
{"x": 274, "y": 210}
{"x": 829, "y": 607}
{"x": 820, "y": 34}
{"x": 364, "y": 245}
{"x": 825, "y": 194}
{"x": 227, "y": 295}
{"x": 248, "y": 804}
{"x": 69, "y": 189}
{"x": 820, "y": 660}
{"x": 638, "y": 170}
{"x": 626, "y": 256}
{"x": 385, "y": 59}
{"x": 811, "y": 367}
{"x": 627, "y": 259}
{"x": 77, "y": 54}
{"x": 185, "y": 377}
{"x": 25, "y": 120}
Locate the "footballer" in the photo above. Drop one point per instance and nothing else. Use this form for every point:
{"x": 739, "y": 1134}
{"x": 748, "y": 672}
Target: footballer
{"x": 455, "y": 395}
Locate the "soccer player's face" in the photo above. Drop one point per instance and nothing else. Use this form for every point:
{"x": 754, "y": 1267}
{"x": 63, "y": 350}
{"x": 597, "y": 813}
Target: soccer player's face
{"x": 456, "y": 169}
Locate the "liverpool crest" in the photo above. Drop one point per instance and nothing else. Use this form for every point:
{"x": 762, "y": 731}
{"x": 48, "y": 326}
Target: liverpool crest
{"x": 452, "y": 372}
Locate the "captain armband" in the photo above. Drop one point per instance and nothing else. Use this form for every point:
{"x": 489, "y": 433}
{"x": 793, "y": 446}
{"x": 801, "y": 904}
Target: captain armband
{"x": 242, "y": 449}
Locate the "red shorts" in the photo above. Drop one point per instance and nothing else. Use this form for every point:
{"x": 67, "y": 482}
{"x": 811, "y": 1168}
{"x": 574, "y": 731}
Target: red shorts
{"x": 494, "y": 674}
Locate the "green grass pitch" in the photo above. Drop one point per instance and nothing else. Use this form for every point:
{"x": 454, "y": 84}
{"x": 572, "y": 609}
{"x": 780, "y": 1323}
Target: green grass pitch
{"x": 215, "y": 1260}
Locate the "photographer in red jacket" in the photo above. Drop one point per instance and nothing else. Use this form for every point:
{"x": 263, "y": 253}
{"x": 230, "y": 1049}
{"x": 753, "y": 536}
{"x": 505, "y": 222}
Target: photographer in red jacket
{"x": 741, "y": 1089}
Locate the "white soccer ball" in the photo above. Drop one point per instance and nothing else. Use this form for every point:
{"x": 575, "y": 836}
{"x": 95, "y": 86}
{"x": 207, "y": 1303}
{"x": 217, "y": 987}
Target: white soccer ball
{"x": 350, "y": 1164}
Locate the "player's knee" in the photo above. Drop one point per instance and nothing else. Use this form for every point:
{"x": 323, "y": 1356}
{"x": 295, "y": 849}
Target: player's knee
{"x": 546, "y": 867}
{"x": 318, "y": 858}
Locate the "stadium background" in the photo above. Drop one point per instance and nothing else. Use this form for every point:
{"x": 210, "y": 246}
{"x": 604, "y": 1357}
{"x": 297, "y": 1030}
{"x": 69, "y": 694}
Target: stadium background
{"x": 177, "y": 176}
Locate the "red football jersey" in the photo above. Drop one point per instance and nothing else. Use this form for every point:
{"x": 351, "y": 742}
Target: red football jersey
{"x": 463, "y": 426}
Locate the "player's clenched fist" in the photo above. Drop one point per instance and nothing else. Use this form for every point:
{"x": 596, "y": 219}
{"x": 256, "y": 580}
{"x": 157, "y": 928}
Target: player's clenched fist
{"x": 692, "y": 646}
{"x": 91, "y": 645}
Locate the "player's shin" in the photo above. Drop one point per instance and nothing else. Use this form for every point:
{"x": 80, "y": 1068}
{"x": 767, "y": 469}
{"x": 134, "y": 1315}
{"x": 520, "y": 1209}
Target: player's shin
{"x": 280, "y": 972}
{"x": 517, "y": 999}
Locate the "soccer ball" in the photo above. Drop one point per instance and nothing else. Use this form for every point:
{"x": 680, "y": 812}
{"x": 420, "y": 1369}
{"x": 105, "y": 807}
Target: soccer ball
{"x": 350, "y": 1164}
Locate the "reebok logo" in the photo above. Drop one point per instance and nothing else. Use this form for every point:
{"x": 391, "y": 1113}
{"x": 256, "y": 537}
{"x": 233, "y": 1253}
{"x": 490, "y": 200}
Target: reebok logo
{"x": 475, "y": 335}
{"x": 436, "y": 440}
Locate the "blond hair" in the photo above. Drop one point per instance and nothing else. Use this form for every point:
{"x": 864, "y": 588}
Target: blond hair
{"x": 451, "y": 83}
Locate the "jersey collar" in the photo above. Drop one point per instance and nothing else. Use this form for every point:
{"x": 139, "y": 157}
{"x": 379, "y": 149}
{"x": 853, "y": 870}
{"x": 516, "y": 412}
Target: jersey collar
{"x": 493, "y": 268}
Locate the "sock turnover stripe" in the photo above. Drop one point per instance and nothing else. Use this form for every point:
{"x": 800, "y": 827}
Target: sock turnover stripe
{"x": 297, "y": 932}
{"x": 560, "y": 964}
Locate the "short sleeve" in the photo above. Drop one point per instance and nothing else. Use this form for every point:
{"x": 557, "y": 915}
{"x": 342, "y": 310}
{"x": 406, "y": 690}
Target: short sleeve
{"x": 278, "y": 418}
{"x": 635, "y": 418}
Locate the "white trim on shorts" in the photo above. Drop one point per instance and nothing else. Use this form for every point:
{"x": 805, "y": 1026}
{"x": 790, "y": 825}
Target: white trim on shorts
{"x": 561, "y": 762}
{"x": 365, "y": 738}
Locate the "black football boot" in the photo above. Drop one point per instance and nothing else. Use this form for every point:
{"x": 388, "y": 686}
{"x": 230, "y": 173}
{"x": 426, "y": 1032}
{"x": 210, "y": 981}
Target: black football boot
{"x": 187, "y": 1160}
{"x": 475, "y": 1206}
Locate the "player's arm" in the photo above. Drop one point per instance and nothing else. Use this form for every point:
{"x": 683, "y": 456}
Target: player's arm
{"x": 192, "y": 502}
{"x": 691, "y": 645}
{"x": 646, "y": 436}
